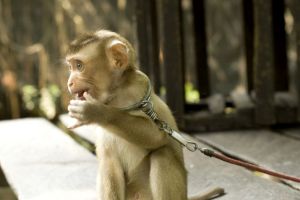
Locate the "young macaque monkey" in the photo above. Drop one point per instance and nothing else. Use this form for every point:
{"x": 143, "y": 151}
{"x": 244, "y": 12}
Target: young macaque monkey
{"x": 137, "y": 160}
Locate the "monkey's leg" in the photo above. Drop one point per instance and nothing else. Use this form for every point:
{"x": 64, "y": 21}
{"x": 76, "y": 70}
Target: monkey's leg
{"x": 111, "y": 181}
{"x": 167, "y": 176}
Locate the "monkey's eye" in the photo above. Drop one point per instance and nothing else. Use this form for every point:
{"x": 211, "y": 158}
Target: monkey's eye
{"x": 79, "y": 66}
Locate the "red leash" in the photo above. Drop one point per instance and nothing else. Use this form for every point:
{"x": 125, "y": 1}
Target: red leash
{"x": 146, "y": 105}
{"x": 211, "y": 153}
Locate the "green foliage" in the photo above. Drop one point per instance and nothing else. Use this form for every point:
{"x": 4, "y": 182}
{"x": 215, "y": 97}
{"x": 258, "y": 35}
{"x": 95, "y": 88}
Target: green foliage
{"x": 42, "y": 102}
{"x": 191, "y": 94}
{"x": 54, "y": 91}
{"x": 30, "y": 97}
{"x": 162, "y": 91}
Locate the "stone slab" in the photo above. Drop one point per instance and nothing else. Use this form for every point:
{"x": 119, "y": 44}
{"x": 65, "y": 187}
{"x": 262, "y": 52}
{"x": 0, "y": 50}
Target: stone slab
{"x": 263, "y": 147}
{"x": 41, "y": 162}
{"x": 292, "y": 132}
{"x": 205, "y": 173}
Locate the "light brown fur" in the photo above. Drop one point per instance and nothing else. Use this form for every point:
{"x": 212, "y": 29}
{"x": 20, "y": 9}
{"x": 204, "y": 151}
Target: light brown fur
{"x": 136, "y": 160}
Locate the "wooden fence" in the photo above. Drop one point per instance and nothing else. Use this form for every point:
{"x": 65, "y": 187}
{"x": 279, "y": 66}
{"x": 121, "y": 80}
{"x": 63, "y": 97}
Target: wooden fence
{"x": 269, "y": 99}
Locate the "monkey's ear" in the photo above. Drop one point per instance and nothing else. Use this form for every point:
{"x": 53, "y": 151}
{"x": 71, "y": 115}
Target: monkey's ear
{"x": 117, "y": 53}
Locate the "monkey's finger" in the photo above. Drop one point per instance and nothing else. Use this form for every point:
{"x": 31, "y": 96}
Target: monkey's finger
{"x": 88, "y": 97}
{"x": 75, "y": 109}
{"x": 77, "y": 116}
{"x": 77, "y": 102}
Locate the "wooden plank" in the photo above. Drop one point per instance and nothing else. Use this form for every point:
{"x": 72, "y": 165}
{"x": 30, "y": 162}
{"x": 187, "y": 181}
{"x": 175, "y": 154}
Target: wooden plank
{"x": 154, "y": 53}
{"x": 7, "y": 194}
{"x": 263, "y": 62}
{"x": 286, "y": 115}
{"x": 41, "y": 162}
{"x": 148, "y": 51}
{"x": 204, "y": 121}
{"x": 202, "y": 69}
{"x": 3, "y": 181}
{"x": 286, "y": 105}
{"x": 281, "y": 79}
{"x": 249, "y": 47}
{"x": 143, "y": 43}
{"x": 280, "y": 58}
{"x": 295, "y": 9}
{"x": 172, "y": 56}
{"x": 262, "y": 147}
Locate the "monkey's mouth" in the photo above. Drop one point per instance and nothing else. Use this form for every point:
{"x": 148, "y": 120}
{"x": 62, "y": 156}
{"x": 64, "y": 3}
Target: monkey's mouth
{"x": 79, "y": 95}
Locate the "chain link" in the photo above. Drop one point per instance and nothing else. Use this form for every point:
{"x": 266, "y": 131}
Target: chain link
{"x": 147, "y": 107}
{"x": 164, "y": 126}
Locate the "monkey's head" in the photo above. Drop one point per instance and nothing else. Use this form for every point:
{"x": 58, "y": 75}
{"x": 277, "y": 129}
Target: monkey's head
{"x": 97, "y": 61}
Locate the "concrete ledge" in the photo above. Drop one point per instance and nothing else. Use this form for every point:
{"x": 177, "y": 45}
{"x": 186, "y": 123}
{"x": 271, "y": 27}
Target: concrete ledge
{"x": 41, "y": 162}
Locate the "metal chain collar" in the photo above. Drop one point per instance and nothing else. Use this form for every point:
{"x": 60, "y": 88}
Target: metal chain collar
{"x": 147, "y": 107}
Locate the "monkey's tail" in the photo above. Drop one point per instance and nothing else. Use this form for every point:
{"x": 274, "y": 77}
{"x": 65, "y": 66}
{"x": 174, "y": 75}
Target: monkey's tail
{"x": 209, "y": 194}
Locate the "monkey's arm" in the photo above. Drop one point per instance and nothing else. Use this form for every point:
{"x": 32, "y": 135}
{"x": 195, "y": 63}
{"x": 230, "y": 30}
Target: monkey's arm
{"x": 139, "y": 130}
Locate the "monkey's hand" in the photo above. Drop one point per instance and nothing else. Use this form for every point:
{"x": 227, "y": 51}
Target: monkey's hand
{"x": 85, "y": 111}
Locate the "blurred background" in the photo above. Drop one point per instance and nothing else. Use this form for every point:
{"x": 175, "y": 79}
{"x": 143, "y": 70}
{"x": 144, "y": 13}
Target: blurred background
{"x": 219, "y": 65}
{"x": 34, "y": 35}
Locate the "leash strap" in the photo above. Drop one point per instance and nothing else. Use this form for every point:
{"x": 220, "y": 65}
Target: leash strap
{"x": 146, "y": 106}
{"x": 193, "y": 146}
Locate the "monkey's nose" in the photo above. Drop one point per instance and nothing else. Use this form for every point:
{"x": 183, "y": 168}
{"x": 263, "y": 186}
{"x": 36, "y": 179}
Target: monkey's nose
{"x": 70, "y": 84}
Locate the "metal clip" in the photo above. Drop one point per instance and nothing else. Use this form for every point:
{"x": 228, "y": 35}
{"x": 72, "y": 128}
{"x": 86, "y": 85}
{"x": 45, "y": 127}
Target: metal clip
{"x": 164, "y": 126}
{"x": 191, "y": 146}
